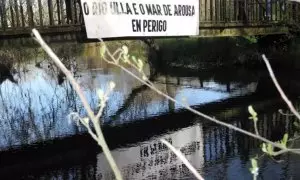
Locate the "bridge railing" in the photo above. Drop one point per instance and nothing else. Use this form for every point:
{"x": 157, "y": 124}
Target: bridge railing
{"x": 247, "y": 12}
{"x": 20, "y": 14}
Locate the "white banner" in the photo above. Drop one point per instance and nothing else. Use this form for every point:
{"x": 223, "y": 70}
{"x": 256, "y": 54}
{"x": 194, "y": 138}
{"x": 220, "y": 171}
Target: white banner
{"x": 135, "y": 18}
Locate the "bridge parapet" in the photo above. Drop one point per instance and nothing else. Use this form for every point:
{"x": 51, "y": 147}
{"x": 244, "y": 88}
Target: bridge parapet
{"x": 17, "y": 17}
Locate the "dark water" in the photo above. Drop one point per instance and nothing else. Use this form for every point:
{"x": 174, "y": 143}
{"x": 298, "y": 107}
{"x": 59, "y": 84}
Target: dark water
{"x": 39, "y": 141}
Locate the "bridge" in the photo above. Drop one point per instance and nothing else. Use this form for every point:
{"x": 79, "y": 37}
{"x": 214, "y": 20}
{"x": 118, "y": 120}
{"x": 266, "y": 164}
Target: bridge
{"x": 217, "y": 17}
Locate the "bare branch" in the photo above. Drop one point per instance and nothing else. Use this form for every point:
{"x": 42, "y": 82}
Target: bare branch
{"x": 230, "y": 126}
{"x": 100, "y": 138}
{"x": 183, "y": 159}
{"x": 68, "y": 74}
{"x": 284, "y": 97}
{"x": 145, "y": 81}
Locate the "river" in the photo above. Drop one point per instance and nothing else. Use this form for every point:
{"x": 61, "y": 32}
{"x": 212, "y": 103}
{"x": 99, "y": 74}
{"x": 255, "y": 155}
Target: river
{"x": 40, "y": 140}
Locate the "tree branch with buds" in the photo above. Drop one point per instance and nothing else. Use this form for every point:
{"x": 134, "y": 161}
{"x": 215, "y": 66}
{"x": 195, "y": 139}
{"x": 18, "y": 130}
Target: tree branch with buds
{"x": 92, "y": 118}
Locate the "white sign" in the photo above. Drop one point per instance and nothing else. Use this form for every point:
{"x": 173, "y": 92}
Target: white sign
{"x": 134, "y": 18}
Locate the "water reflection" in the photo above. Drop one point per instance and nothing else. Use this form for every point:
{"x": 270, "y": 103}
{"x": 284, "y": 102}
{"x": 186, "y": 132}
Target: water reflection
{"x": 216, "y": 152}
{"x": 35, "y": 100}
{"x": 35, "y": 104}
{"x": 153, "y": 160}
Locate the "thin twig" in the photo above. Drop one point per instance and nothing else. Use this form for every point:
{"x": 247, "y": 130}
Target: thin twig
{"x": 100, "y": 138}
{"x": 183, "y": 159}
{"x": 255, "y": 128}
{"x": 284, "y": 97}
{"x": 103, "y": 104}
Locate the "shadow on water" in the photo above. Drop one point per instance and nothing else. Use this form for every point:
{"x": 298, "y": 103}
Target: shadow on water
{"x": 6, "y": 68}
{"x": 207, "y": 53}
{"x": 38, "y": 141}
